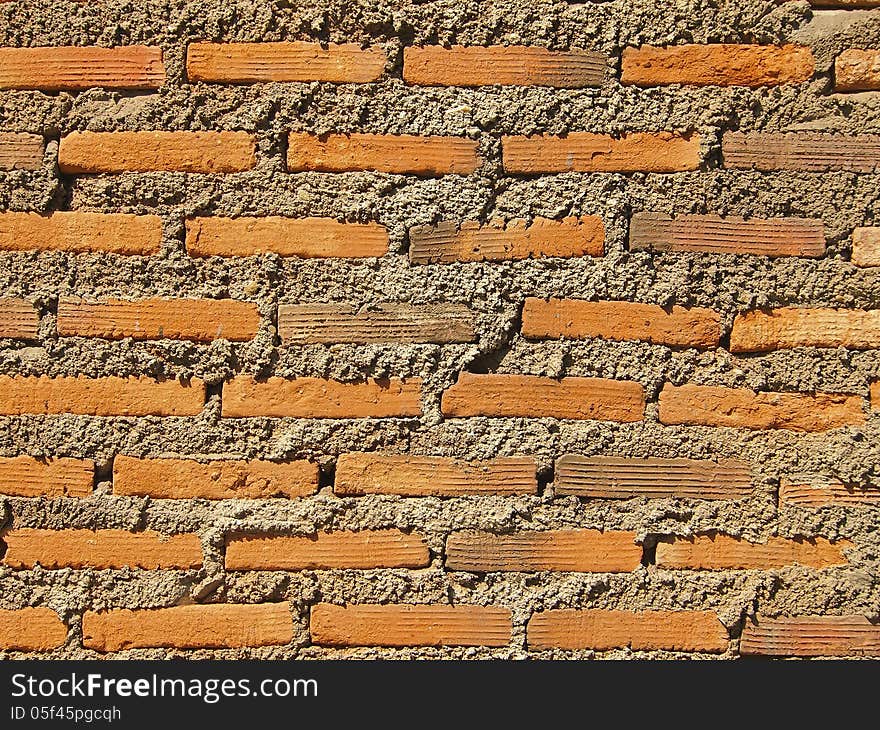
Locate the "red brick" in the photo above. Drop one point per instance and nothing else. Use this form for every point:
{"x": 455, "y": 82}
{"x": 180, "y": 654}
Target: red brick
{"x": 866, "y": 247}
{"x": 722, "y": 552}
{"x": 777, "y": 329}
{"x": 25, "y": 476}
{"x": 20, "y": 151}
{"x": 31, "y": 629}
{"x": 857, "y": 70}
{"x": 78, "y": 232}
{"x": 834, "y": 636}
{"x": 18, "y": 319}
{"x": 801, "y": 151}
{"x": 816, "y": 491}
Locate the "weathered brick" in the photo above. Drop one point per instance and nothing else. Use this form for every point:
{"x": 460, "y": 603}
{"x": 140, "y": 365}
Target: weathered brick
{"x": 169, "y": 478}
{"x": 448, "y": 242}
{"x": 203, "y": 152}
{"x": 31, "y": 629}
{"x": 20, "y": 151}
{"x": 75, "y": 68}
{"x": 201, "y": 320}
{"x": 25, "y": 476}
{"x": 817, "y": 491}
{"x": 26, "y": 547}
{"x": 408, "y": 625}
{"x": 578, "y": 319}
{"x": 717, "y": 64}
{"x": 386, "y": 322}
{"x": 610, "y": 477}
{"x": 732, "y": 234}
{"x": 18, "y": 319}
{"x": 875, "y": 394}
{"x": 302, "y": 237}
{"x": 403, "y": 154}
{"x": 531, "y": 396}
{"x": 723, "y": 552}
{"x": 707, "y": 405}
{"x": 78, "y": 232}
{"x": 834, "y": 636}
{"x": 213, "y": 626}
{"x": 857, "y": 69}
{"x": 602, "y": 629}
{"x": 776, "y": 329}
{"x": 110, "y": 396}
{"x": 588, "y": 551}
{"x": 801, "y": 151}
{"x": 321, "y": 398}
{"x": 587, "y": 152}
{"x": 360, "y": 550}
{"x": 297, "y": 61}
{"x": 504, "y": 65}
{"x": 866, "y": 247}
{"x": 436, "y": 476}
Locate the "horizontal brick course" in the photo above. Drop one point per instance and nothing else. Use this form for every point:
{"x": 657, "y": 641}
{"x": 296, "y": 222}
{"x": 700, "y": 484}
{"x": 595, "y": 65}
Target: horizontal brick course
{"x": 801, "y": 151}
{"x": 18, "y": 319}
{"x": 25, "y": 476}
{"x": 866, "y": 246}
{"x": 21, "y": 151}
{"x": 816, "y": 491}
{"x": 809, "y": 636}
{"x": 857, "y": 69}
{"x": 776, "y": 329}
{"x": 31, "y": 629}
{"x": 722, "y": 552}
{"x": 80, "y": 232}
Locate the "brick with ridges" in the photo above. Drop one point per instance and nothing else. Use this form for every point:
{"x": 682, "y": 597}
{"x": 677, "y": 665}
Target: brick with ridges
{"x": 31, "y": 629}
{"x": 866, "y": 247}
{"x": 25, "y": 476}
{"x": 723, "y": 552}
{"x": 213, "y": 626}
{"x": 833, "y": 636}
{"x": 20, "y": 151}
{"x": 817, "y": 491}
{"x": 360, "y": 550}
{"x": 788, "y": 327}
{"x": 857, "y": 69}
{"x": 801, "y": 151}
{"x": 405, "y": 475}
{"x": 408, "y": 625}
{"x": 18, "y": 319}
{"x": 219, "y": 479}
{"x": 79, "y": 232}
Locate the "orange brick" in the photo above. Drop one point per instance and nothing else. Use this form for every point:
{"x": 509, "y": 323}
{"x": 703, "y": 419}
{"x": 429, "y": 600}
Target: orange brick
{"x": 213, "y": 626}
{"x": 866, "y": 247}
{"x": 248, "y": 63}
{"x": 578, "y": 319}
{"x": 448, "y": 242}
{"x": 707, "y": 405}
{"x": 588, "y": 551}
{"x": 777, "y": 329}
{"x": 857, "y": 70}
{"x": 24, "y": 476}
{"x": 303, "y": 237}
{"x": 713, "y": 234}
{"x": 403, "y": 154}
{"x": 78, "y": 232}
{"x": 111, "y": 396}
{"x": 436, "y": 476}
{"x": 722, "y": 552}
{"x": 587, "y": 152}
{"x": 201, "y": 320}
{"x": 20, "y": 151}
{"x": 531, "y": 396}
{"x": 835, "y": 636}
{"x": 801, "y": 151}
{"x": 31, "y": 629}
{"x": 244, "y": 397}
{"x": 224, "y": 479}
{"x": 205, "y": 152}
{"x": 505, "y": 65}
{"x": 18, "y": 319}
{"x": 717, "y": 64}
{"x": 816, "y": 491}
{"x": 75, "y": 68}
{"x": 26, "y": 547}
{"x": 406, "y": 625}
{"x": 327, "y": 550}
{"x": 875, "y": 394}
{"x": 602, "y": 629}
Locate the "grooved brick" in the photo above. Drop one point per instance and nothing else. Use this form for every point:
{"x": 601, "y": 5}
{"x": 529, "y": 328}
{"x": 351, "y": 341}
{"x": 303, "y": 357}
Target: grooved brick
{"x": 110, "y": 396}
{"x": 588, "y": 551}
{"x": 857, "y": 70}
{"x": 408, "y": 625}
{"x": 31, "y": 629}
{"x": 76, "y": 68}
{"x": 602, "y": 629}
{"x": 576, "y": 318}
{"x": 213, "y": 626}
{"x": 531, "y": 396}
{"x": 20, "y": 151}
{"x": 732, "y": 234}
{"x": 224, "y": 479}
{"x": 18, "y": 319}
{"x": 801, "y": 151}
{"x": 721, "y": 64}
{"x": 296, "y": 61}
{"x": 817, "y": 491}
{"x": 505, "y": 65}
{"x": 201, "y": 320}
{"x": 203, "y": 152}
{"x": 866, "y": 247}
{"x": 321, "y": 398}
{"x": 776, "y": 329}
{"x": 449, "y": 241}
{"x": 25, "y": 547}
{"x": 840, "y": 636}
{"x": 386, "y": 322}
{"x": 609, "y": 477}
{"x": 303, "y": 237}
{"x": 707, "y": 405}
{"x": 403, "y": 154}
{"x": 587, "y": 152}
{"x": 723, "y": 552}
{"x": 78, "y": 232}
{"x": 25, "y": 476}
{"x": 327, "y": 550}
{"x": 422, "y": 476}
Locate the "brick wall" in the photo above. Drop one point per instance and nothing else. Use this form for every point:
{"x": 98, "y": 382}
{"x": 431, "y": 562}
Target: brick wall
{"x": 439, "y": 330}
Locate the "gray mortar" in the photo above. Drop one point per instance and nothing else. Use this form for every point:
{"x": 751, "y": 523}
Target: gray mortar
{"x": 495, "y": 292}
